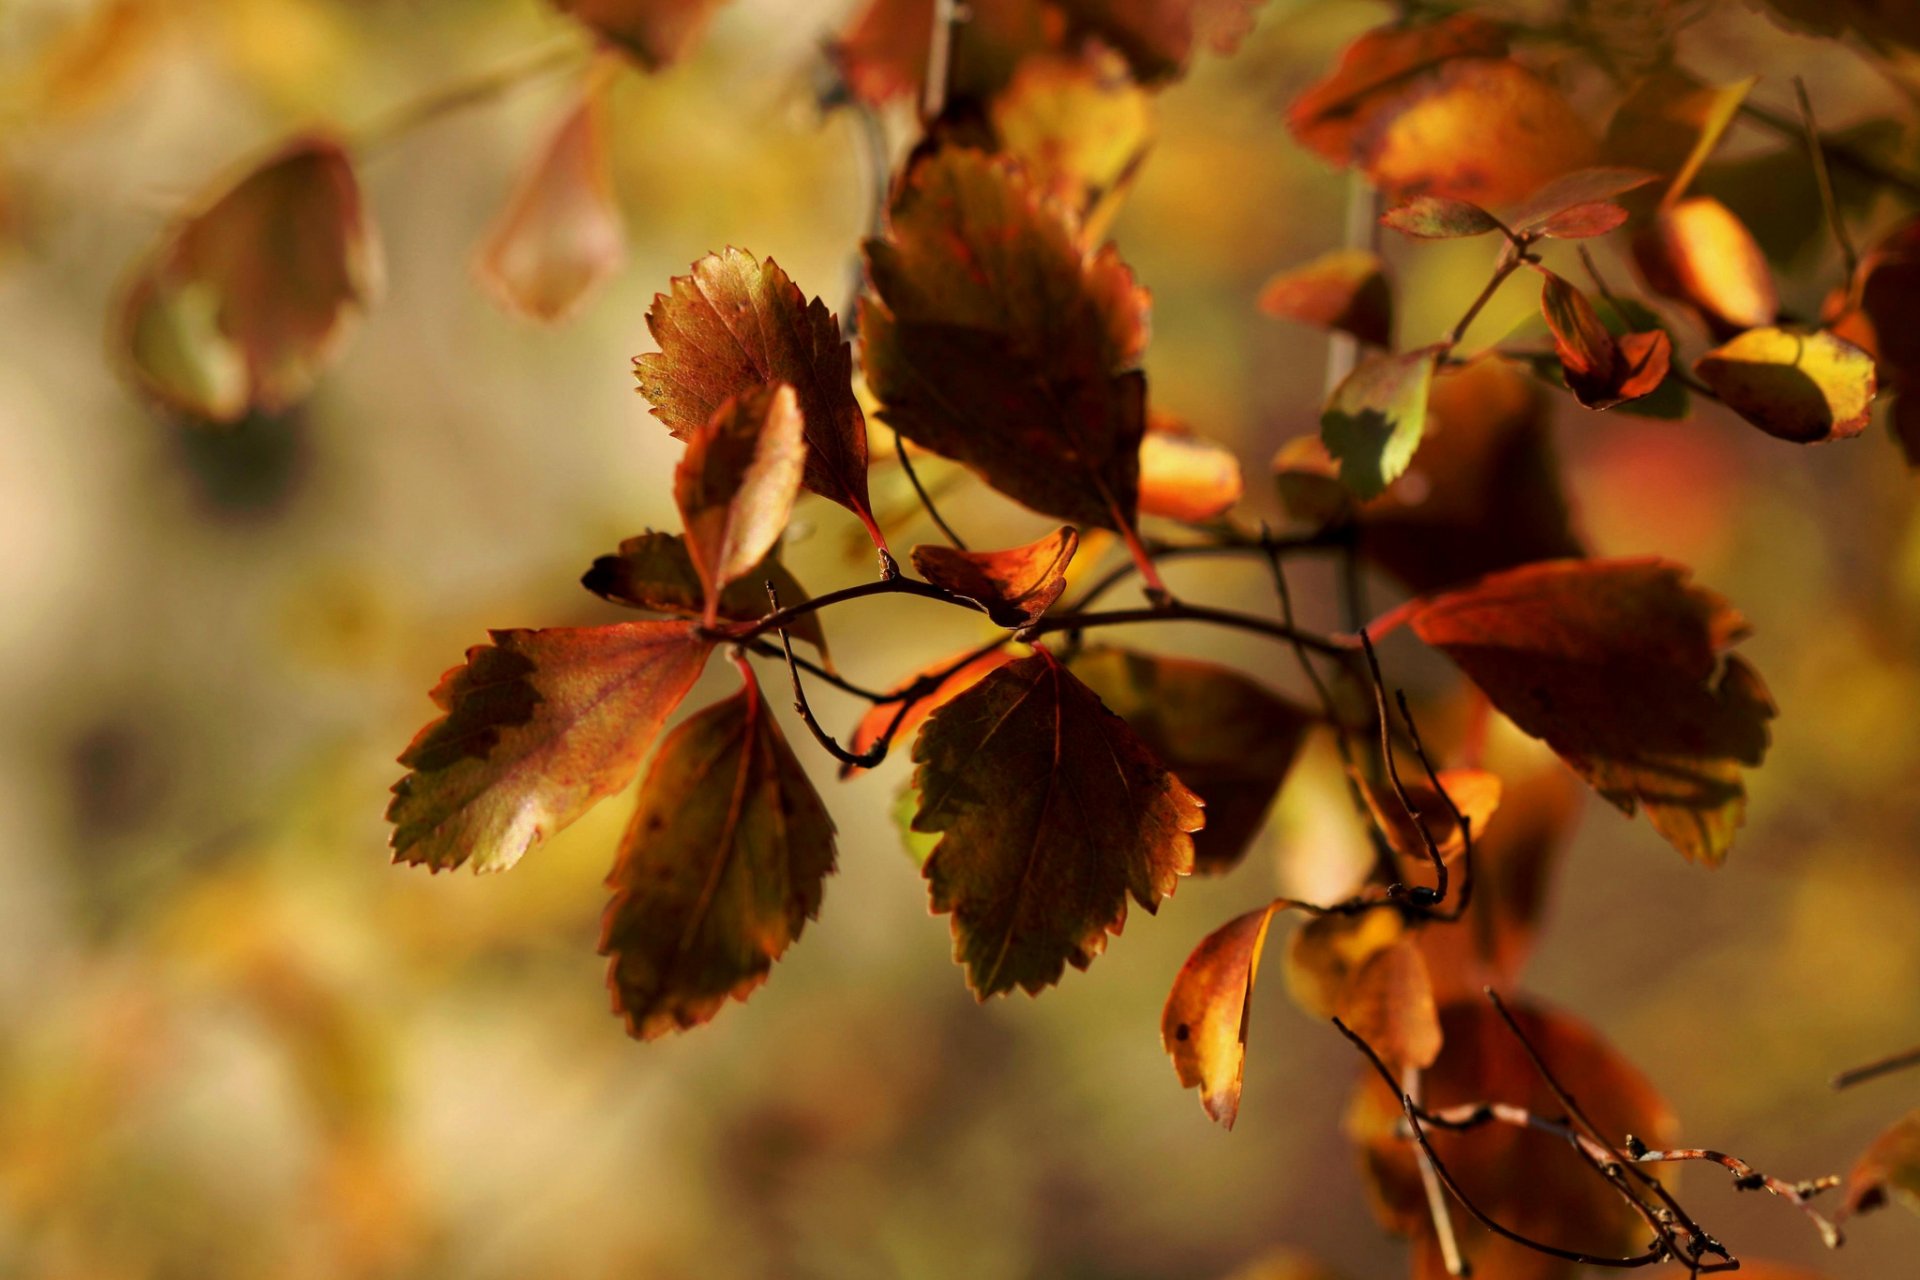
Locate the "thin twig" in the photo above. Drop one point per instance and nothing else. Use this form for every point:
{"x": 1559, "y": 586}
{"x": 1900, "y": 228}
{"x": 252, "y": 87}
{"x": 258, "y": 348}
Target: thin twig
{"x": 920, "y": 491}
{"x": 1511, "y": 258}
{"x": 1179, "y": 611}
{"x": 1837, "y": 152}
{"x": 1461, "y": 821}
{"x": 1420, "y": 894}
{"x": 1823, "y": 178}
{"x": 1231, "y": 544}
{"x": 861, "y": 760}
{"x": 818, "y": 672}
{"x": 1879, "y": 1067}
{"x": 1450, "y": 1255}
{"x": 467, "y": 92}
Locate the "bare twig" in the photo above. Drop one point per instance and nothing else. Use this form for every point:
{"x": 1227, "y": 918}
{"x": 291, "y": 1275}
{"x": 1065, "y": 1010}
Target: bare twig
{"x": 1420, "y": 894}
{"x": 469, "y": 91}
{"x": 1878, "y": 1067}
{"x": 920, "y": 491}
{"x": 1823, "y": 179}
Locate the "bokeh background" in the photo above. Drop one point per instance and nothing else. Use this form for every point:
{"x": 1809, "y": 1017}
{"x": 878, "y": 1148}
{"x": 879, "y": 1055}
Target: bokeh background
{"x": 235, "y": 1042}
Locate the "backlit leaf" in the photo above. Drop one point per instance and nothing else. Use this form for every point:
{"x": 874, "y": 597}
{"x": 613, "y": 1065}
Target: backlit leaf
{"x": 243, "y": 304}
{"x": 1434, "y": 218}
{"x": 1601, "y": 370}
{"x": 1204, "y": 1024}
{"x": 1053, "y": 812}
{"x": 1184, "y": 476}
{"x": 1345, "y": 290}
{"x": 654, "y": 33}
{"x": 1620, "y": 667}
{"x": 1571, "y": 191}
{"x": 1079, "y": 128}
{"x": 736, "y": 483}
{"x": 1474, "y": 792}
{"x": 1014, "y": 586}
{"x": 1374, "y": 421}
{"x": 1803, "y": 385}
{"x": 737, "y": 324}
{"x": 719, "y": 871}
{"x": 991, "y": 339}
{"x": 954, "y": 680}
{"x": 1389, "y": 1002}
{"x": 540, "y": 726}
{"x": 1699, "y": 253}
{"x": 1325, "y": 952}
{"x": 653, "y": 571}
{"x": 1889, "y": 1170}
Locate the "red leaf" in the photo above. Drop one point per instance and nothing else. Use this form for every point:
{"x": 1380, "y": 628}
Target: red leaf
{"x": 1584, "y": 220}
{"x": 955, "y": 681}
{"x": 1015, "y": 586}
{"x": 736, "y": 484}
{"x": 655, "y": 572}
{"x": 1601, "y": 371}
{"x": 1345, "y": 290}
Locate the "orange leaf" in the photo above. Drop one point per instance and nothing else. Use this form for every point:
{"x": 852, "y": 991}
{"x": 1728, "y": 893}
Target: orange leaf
{"x": 1334, "y": 115}
{"x": 654, "y": 571}
{"x": 1204, "y": 1024}
{"x": 561, "y": 234}
{"x": 1699, "y": 253}
{"x": 1618, "y": 665}
{"x": 1053, "y": 812}
{"x": 1345, "y": 290}
{"x": 540, "y": 727}
{"x": 1889, "y": 1169}
{"x": 719, "y": 871}
{"x": 736, "y": 324}
{"x": 1184, "y": 476}
{"x": 243, "y": 304}
{"x": 1015, "y": 586}
{"x": 956, "y": 680}
{"x": 1079, "y": 128}
{"x": 654, "y": 33}
{"x": 1325, "y": 952}
{"x": 1880, "y": 313}
{"x": 1601, "y": 371}
{"x": 1474, "y": 792}
{"x": 1389, "y": 1003}
{"x": 736, "y": 483}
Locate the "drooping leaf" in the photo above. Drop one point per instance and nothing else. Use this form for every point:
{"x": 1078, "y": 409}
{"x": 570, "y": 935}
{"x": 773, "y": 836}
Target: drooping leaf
{"x": 1376, "y": 417}
{"x": 1204, "y": 1025}
{"x": 1079, "y": 128}
{"x": 654, "y": 33}
{"x": 1888, "y": 1170}
{"x": 1344, "y": 290}
{"x": 719, "y": 871}
{"x": 1227, "y": 738}
{"x": 882, "y": 54}
{"x": 1053, "y": 812}
{"x": 244, "y": 303}
{"x": 560, "y": 235}
{"x": 1389, "y": 1002}
{"x": 1699, "y": 253}
{"x": 1159, "y": 37}
{"x": 737, "y": 324}
{"x": 654, "y": 571}
{"x": 947, "y": 679}
{"x": 1601, "y": 370}
{"x": 1620, "y": 667}
{"x": 991, "y": 339}
{"x": 540, "y": 726}
{"x": 1185, "y": 476}
{"x": 1325, "y": 952}
{"x": 1014, "y": 586}
{"x": 1435, "y": 218}
{"x": 1803, "y": 385}
{"x": 1474, "y": 792}
{"x": 736, "y": 483}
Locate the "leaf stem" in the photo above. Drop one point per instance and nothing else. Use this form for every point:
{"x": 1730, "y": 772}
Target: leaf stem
{"x": 920, "y": 491}
{"x": 1511, "y": 259}
{"x": 1180, "y": 611}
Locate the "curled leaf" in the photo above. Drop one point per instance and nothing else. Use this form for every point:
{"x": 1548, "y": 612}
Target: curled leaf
{"x": 1014, "y": 586}
{"x": 954, "y": 676}
{"x": 1344, "y": 290}
{"x": 1474, "y": 792}
{"x": 1204, "y": 1025}
{"x": 1888, "y": 1170}
{"x": 654, "y": 571}
{"x": 1325, "y": 952}
{"x": 1601, "y": 370}
{"x": 736, "y": 484}
{"x": 1800, "y": 385}
{"x": 1376, "y": 417}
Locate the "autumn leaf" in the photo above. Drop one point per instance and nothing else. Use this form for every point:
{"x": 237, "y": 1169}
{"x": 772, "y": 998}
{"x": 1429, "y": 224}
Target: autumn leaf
{"x": 1671, "y": 122}
{"x": 1014, "y": 586}
{"x": 1344, "y": 290}
{"x": 1185, "y": 476}
{"x": 882, "y": 53}
{"x": 1227, "y": 738}
{"x": 1376, "y": 417}
{"x": 1325, "y": 952}
{"x": 654, "y": 33}
{"x": 654, "y": 571}
{"x": 1159, "y": 37}
{"x": 719, "y": 871}
{"x": 1079, "y": 128}
{"x": 1620, "y": 667}
{"x": 737, "y": 324}
{"x": 945, "y": 680}
{"x": 1388, "y": 1002}
{"x": 1877, "y": 313}
{"x": 1806, "y": 386}
{"x": 736, "y": 483}
{"x": 1888, "y": 1170}
{"x": 990, "y": 339}
{"x": 243, "y": 304}
{"x": 1052, "y": 811}
{"x": 1435, "y": 218}
{"x": 560, "y": 235}
{"x": 1601, "y": 370}
{"x": 540, "y": 726}
{"x": 1699, "y": 253}
{"x": 1583, "y": 192}
{"x": 1474, "y": 792}
{"x": 1204, "y": 1024}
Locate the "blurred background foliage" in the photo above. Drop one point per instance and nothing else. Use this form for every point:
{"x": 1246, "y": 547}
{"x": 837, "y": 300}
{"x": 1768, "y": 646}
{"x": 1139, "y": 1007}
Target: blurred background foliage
{"x": 235, "y": 1042}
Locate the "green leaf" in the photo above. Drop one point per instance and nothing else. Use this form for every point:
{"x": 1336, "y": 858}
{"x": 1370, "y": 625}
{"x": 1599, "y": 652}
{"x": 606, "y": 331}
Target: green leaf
{"x": 1435, "y": 218}
{"x": 1376, "y": 417}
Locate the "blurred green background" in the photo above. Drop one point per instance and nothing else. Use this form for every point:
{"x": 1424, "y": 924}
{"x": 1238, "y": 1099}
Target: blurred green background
{"x": 235, "y": 1042}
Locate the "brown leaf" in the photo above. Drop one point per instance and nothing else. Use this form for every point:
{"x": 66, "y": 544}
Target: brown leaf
{"x": 1432, "y": 218}
{"x": 990, "y": 339}
{"x": 654, "y": 571}
{"x": 1619, "y": 666}
{"x": 1325, "y": 952}
{"x": 1229, "y": 739}
{"x": 719, "y": 871}
{"x": 736, "y": 324}
{"x": 1573, "y": 191}
{"x": 1184, "y": 476}
{"x": 1670, "y": 122}
{"x": 654, "y": 33}
{"x": 1584, "y": 221}
{"x": 1334, "y": 115}
{"x": 560, "y": 235}
{"x": 1204, "y": 1025}
{"x": 955, "y": 681}
{"x": 1014, "y": 586}
{"x": 1803, "y": 385}
{"x": 736, "y": 483}
{"x": 1601, "y": 370}
{"x": 540, "y": 726}
{"x": 1888, "y": 1170}
{"x": 883, "y": 52}
{"x": 1389, "y": 1003}
{"x": 1474, "y": 792}
{"x": 1880, "y": 313}
{"x": 243, "y": 304}
{"x": 1699, "y": 253}
{"x": 1344, "y": 290}
{"x": 1053, "y": 812}
{"x": 1158, "y": 37}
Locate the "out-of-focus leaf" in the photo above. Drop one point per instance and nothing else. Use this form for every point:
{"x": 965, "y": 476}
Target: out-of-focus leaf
{"x": 1474, "y": 792}
{"x": 1670, "y": 122}
{"x": 1584, "y": 221}
{"x": 883, "y": 52}
{"x": 1619, "y": 666}
{"x": 560, "y": 235}
{"x": 1389, "y": 1002}
{"x": 1159, "y": 37}
{"x": 736, "y": 324}
{"x": 1376, "y": 417}
{"x": 654, "y": 33}
{"x": 1226, "y": 737}
{"x": 243, "y": 304}
{"x": 1432, "y": 218}
{"x": 736, "y": 484}
{"x": 1325, "y": 952}
{"x": 653, "y": 571}
{"x": 1184, "y": 476}
{"x": 1879, "y": 21}
{"x": 1053, "y": 812}
{"x": 1889, "y": 1170}
{"x": 1078, "y": 128}
{"x": 1803, "y": 385}
{"x": 1283, "y": 1264}
{"x": 1699, "y": 253}
{"x": 1014, "y": 586}
{"x": 1879, "y": 312}
{"x": 1601, "y": 370}
{"x": 540, "y": 726}
{"x": 1572, "y": 191}
{"x": 956, "y": 680}
{"x": 719, "y": 871}
{"x": 1793, "y": 233}
{"x": 991, "y": 339}
{"x": 1345, "y": 289}
{"x": 1333, "y": 116}
{"x": 1204, "y": 1025}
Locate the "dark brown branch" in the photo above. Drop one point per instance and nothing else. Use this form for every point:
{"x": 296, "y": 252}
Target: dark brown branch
{"x": 1878, "y": 1067}
{"x": 1838, "y": 152}
{"x": 1179, "y": 611}
{"x": 861, "y": 760}
{"x": 920, "y": 491}
{"x": 1460, "y": 820}
{"x": 1230, "y": 544}
{"x": 818, "y": 672}
{"x": 1823, "y": 179}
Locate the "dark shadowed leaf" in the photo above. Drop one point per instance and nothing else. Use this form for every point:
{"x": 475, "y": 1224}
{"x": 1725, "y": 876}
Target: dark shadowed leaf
{"x": 736, "y": 483}
{"x": 243, "y": 304}
{"x": 654, "y": 33}
{"x": 1601, "y": 370}
{"x": 1389, "y": 1002}
{"x": 737, "y": 324}
{"x": 1014, "y": 586}
{"x": 653, "y": 571}
{"x": 1670, "y": 122}
{"x": 1889, "y": 1170}
{"x": 1053, "y": 812}
{"x": 540, "y": 726}
{"x": 883, "y": 51}
{"x": 1374, "y": 421}
{"x": 1879, "y": 312}
{"x": 1204, "y": 1024}
{"x": 1184, "y": 475}
{"x": 1803, "y": 385}
{"x": 1434, "y": 218}
{"x": 1158, "y": 37}
{"x": 1345, "y": 289}
{"x": 719, "y": 871}
{"x": 1699, "y": 253}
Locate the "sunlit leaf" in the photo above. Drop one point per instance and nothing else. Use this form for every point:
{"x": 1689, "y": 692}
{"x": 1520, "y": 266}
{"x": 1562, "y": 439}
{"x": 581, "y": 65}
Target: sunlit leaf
{"x": 1699, "y": 253}
{"x": 1601, "y": 370}
{"x": 653, "y": 571}
{"x": 736, "y": 483}
{"x": 244, "y": 303}
{"x": 1389, "y": 1002}
{"x": 540, "y": 726}
{"x": 1014, "y": 586}
{"x": 1184, "y": 476}
{"x": 956, "y": 675}
{"x": 1889, "y": 1170}
{"x": 737, "y": 324}
{"x": 1345, "y": 289}
{"x": 1434, "y": 218}
{"x": 719, "y": 871}
{"x": 1079, "y": 128}
{"x": 990, "y": 339}
{"x": 1227, "y": 738}
{"x": 1620, "y": 667}
{"x": 1204, "y": 1024}
{"x": 1325, "y": 952}
{"x": 1053, "y": 812}
{"x": 1374, "y": 421}
{"x": 654, "y": 33}
{"x": 1474, "y": 792}
{"x": 1803, "y": 385}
